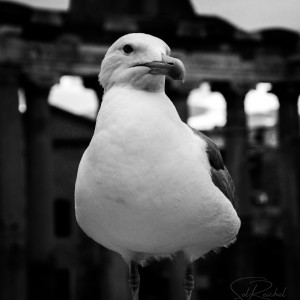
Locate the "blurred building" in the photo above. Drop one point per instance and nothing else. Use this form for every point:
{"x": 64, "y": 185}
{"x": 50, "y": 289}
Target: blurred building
{"x": 43, "y": 252}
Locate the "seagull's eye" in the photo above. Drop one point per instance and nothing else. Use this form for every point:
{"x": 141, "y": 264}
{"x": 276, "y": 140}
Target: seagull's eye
{"x": 127, "y": 49}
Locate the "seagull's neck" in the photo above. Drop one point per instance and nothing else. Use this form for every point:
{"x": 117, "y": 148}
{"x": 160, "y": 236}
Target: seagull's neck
{"x": 123, "y": 105}
{"x": 137, "y": 81}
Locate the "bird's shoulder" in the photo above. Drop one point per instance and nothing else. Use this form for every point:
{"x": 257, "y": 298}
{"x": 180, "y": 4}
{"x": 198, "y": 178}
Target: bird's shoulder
{"x": 219, "y": 173}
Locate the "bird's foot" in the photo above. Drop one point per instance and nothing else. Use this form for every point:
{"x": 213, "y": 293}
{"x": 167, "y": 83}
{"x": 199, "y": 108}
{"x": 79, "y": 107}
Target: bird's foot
{"x": 188, "y": 282}
{"x": 134, "y": 280}
{"x": 188, "y": 296}
{"x": 135, "y": 295}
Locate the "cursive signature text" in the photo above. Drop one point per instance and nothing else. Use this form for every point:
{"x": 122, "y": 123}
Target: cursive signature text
{"x": 255, "y": 288}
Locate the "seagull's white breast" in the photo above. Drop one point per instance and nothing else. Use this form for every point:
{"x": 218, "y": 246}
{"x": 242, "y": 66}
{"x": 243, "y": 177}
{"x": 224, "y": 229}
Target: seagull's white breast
{"x": 144, "y": 182}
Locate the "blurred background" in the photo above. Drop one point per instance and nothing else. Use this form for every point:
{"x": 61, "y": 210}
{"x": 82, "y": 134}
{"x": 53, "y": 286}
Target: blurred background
{"x": 242, "y": 90}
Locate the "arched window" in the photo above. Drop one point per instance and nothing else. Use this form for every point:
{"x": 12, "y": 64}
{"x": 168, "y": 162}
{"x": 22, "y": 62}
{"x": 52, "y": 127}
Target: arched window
{"x": 72, "y": 96}
{"x": 207, "y": 109}
{"x": 262, "y": 115}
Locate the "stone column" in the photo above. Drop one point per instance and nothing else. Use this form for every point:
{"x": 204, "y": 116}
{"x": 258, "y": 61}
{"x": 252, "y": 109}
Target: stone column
{"x": 288, "y": 94}
{"x": 236, "y": 139}
{"x": 92, "y": 82}
{"x": 178, "y": 94}
{"x": 12, "y": 204}
{"x": 40, "y": 237}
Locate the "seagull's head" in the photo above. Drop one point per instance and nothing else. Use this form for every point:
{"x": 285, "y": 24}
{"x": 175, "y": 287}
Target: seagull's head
{"x": 141, "y": 61}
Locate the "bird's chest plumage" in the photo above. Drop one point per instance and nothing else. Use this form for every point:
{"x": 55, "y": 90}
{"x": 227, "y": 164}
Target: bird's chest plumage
{"x": 137, "y": 143}
{"x": 148, "y": 177}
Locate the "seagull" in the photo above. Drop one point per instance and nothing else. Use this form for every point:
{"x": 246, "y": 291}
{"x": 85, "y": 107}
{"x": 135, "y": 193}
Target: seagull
{"x": 148, "y": 185}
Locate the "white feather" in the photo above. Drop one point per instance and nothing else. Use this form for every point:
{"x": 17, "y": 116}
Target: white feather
{"x": 144, "y": 187}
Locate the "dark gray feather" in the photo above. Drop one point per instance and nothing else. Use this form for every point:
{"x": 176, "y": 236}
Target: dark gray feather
{"x": 219, "y": 173}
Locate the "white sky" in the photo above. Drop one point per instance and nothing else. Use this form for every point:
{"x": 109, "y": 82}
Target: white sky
{"x": 260, "y": 101}
{"x": 213, "y": 105}
{"x": 71, "y": 95}
{"x": 253, "y": 14}
{"x": 259, "y": 106}
{"x": 45, "y": 4}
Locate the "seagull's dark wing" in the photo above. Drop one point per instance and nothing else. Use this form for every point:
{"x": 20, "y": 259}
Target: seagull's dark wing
{"x": 219, "y": 173}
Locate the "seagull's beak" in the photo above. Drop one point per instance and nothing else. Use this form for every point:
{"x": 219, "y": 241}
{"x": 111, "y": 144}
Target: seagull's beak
{"x": 168, "y": 66}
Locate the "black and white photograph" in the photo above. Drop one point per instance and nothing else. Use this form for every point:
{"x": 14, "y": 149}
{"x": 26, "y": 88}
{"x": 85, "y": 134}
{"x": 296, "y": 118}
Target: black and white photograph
{"x": 149, "y": 150}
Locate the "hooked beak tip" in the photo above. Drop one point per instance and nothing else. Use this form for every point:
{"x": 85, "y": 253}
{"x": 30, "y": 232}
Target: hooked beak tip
{"x": 177, "y": 69}
{"x": 168, "y": 66}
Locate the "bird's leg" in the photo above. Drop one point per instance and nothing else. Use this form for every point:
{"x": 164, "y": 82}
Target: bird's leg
{"x": 134, "y": 280}
{"x": 188, "y": 281}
